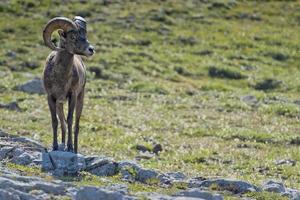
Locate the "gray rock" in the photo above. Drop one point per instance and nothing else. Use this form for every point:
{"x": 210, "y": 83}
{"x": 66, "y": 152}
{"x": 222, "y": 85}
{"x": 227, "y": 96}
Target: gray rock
{"x": 250, "y": 100}
{"x": 16, "y": 152}
{"x": 94, "y": 193}
{"x": 4, "y": 151}
{"x": 96, "y": 161}
{"x": 176, "y": 175}
{"x": 6, "y": 195}
{"x": 63, "y": 163}
{"x": 23, "y": 195}
{"x": 172, "y": 177}
{"x": 61, "y": 147}
{"x": 47, "y": 187}
{"x": 34, "y": 86}
{"x": 157, "y": 148}
{"x": 11, "y": 106}
{"x": 46, "y": 162}
{"x": 29, "y": 143}
{"x": 128, "y": 170}
{"x": 292, "y": 194}
{"x": 198, "y": 193}
{"x": 122, "y": 188}
{"x": 109, "y": 169}
{"x": 147, "y": 176}
{"x": 156, "y": 196}
{"x": 273, "y": 186}
{"x": 11, "y": 54}
{"x": 23, "y": 159}
{"x": 101, "y": 166}
{"x": 286, "y": 162}
{"x": 131, "y": 171}
{"x": 234, "y": 186}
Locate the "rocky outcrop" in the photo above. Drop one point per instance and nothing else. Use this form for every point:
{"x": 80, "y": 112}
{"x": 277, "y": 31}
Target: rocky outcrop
{"x": 27, "y": 152}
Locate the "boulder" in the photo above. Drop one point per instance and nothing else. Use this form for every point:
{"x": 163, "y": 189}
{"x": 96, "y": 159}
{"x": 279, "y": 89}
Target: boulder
{"x": 273, "y": 186}
{"x": 34, "y": 86}
{"x": 63, "y": 163}
{"x": 4, "y": 151}
{"x": 128, "y": 170}
{"x": 234, "y": 186}
{"x": 101, "y": 166}
{"x": 147, "y": 176}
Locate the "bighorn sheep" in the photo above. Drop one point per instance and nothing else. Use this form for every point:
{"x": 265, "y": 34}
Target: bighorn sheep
{"x": 64, "y": 74}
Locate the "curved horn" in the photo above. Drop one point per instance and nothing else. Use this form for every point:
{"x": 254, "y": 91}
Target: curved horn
{"x": 56, "y": 23}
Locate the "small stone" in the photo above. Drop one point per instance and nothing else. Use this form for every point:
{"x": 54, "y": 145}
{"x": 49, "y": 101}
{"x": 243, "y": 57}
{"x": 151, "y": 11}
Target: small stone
{"x": 157, "y": 148}
{"x": 108, "y": 169}
{"x": 147, "y": 176}
{"x": 234, "y": 186}
{"x": 11, "y": 106}
{"x": 11, "y": 54}
{"x": 30, "y": 65}
{"x": 273, "y": 186}
{"x": 23, "y": 159}
{"x": 34, "y": 86}
{"x": 285, "y": 162}
{"x": 176, "y": 175}
{"x": 268, "y": 84}
{"x": 144, "y": 155}
{"x": 122, "y": 188}
{"x": 128, "y": 170}
{"x": 250, "y": 100}
{"x": 198, "y": 193}
{"x": 4, "y": 151}
{"x": 102, "y": 166}
{"x": 142, "y": 148}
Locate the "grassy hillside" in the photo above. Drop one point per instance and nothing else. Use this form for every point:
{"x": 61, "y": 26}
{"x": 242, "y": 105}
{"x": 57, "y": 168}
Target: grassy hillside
{"x": 216, "y": 83}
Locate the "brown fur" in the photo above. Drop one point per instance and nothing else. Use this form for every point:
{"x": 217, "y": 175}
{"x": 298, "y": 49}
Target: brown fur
{"x": 64, "y": 79}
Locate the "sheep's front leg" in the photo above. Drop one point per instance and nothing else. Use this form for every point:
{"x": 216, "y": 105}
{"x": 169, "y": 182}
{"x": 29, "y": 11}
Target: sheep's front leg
{"x": 52, "y": 108}
{"x": 61, "y": 116}
{"x": 79, "y": 105}
{"x": 72, "y": 103}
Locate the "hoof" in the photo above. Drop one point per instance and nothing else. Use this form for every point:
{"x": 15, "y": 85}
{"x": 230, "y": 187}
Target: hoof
{"x": 54, "y": 147}
{"x": 70, "y": 148}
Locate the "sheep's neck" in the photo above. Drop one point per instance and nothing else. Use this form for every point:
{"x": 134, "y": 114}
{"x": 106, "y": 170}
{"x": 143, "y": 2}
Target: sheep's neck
{"x": 64, "y": 61}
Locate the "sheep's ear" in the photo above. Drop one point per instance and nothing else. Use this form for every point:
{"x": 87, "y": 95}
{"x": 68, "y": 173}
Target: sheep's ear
{"x": 62, "y": 33}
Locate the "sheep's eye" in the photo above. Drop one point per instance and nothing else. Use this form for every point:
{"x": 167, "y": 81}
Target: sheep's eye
{"x": 73, "y": 37}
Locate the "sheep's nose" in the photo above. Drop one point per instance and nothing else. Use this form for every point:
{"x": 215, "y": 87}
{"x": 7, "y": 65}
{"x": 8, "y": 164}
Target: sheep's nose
{"x": 91, "y": 49}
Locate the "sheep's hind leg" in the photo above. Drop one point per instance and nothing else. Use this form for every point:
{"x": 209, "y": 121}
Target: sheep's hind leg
{"x": 52, "y": 108}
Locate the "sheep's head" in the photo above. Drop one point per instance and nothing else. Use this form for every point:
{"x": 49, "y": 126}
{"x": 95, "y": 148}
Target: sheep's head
{"x": 72, "y": 35}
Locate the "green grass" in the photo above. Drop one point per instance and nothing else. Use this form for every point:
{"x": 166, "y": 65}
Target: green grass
{"x": 156, "y": 59}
